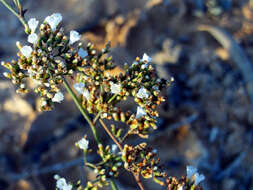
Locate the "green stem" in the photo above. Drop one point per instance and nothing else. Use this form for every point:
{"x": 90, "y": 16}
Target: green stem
{"x": 83, "y": 112}
{"x": 85, "y": 115}
{"x": 113, "y": 185}
{"x": 21, "y": 18}
{"x": 112, "y": 98}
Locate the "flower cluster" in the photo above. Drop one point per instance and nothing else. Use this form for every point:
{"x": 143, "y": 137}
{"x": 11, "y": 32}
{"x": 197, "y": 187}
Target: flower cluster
{"x": 193, "y": 175}
{"x": 50, "y": 57}
{"x": 143, "y": 160}
{"x": 62, "y": 184}
{"x": 100, "y": 92}
{"x": 83, "y": 144}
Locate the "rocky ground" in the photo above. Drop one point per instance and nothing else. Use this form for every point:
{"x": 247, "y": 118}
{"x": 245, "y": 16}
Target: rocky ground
{"x": 206, "y": 122}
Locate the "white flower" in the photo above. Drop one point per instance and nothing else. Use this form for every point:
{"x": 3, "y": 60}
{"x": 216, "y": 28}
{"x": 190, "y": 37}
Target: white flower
{"x": 22, "y": 85}
{"x": 114, "y": 148}
{"x": 6, "y": 74}
{"x": 74, "y": 36}
{"x": 190, "y": 171}
{"x": 54, "y": 20}
{"x": 198, "y": 178}
{"x": 86, "y": 94}
{"x": 83, "y": 144}
{"x": 61, "y": 184}
{"x": 140, "y": 112}
{"x": 33, "y": 23}
{"x": 142, "y": 93}
{"x": 146, "y": 58}
{"x": 115, "y": 88}
{"x": 32, "y": 38}
{"x": 82, "y": 53}
{"x": 26, "y": 51}
{"x": 44, "y": 103}
{"x": 79, "y": 87}
{"x": 58, "y": 97}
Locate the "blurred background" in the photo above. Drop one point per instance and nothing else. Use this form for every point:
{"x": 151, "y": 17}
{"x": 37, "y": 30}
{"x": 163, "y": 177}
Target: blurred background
{"x": 206, "y": 121}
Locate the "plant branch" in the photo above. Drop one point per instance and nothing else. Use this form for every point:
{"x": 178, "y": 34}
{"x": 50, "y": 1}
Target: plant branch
{"x": 113, "y": 185}
{"x": 81, "y": 109}
{"x": 111, "y": 135}
{"x": 19, "y": 16}
{"x": 85, "y": 115}
{"x": 136, "y": 176}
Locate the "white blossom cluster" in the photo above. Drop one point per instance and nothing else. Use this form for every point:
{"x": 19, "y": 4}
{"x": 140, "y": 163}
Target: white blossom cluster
{"x": 62, "y": 184}
{"x": 192, "y": 174}
{"x": 80, "y": 88}
{"x": 53, "y": 21}
{"x": 83, "y": 144}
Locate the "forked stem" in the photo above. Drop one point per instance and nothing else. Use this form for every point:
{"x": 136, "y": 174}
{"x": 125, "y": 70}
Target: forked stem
{"x": 136, "y": 176}
{"x": 85, "y": 115}
{"x": 19, "y": 16}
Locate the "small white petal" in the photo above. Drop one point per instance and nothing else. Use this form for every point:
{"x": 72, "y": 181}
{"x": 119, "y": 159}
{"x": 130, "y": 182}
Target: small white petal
{"x": 111, "y": 173}
{"x": 82, "y": 53}
{"x": 74, "y": 36}
{"x": 190, "y": 171}
{"x": 142, "y": 93}
{"x": 58, "y": 97}
{"x": 33, "y": 23}
{"x": 61, "y": 184}
{"x": 22, "y": 86}
{"x": 83, "y": 144}
{"x": 33, "y": 38}
{"x": 26, "y": 51}
{"x": 114, "y": 148}
{"x": 79, "y": 87}
{"x": 6, "y": 74}
{"x": 115, "y": 88}
{"x": 146, "y": 58}
{"x": 47, "y": 84}
{"x": 54, "y": 20}
{"x": 198, "y": 178}
{"x": 140, "y": 112}
{"x": 86, "y": 94}
{"x": 44, "y": 103}
{"x": 56, "y": 177}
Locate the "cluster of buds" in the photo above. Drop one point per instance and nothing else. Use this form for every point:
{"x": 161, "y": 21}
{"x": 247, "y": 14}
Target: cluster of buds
{"x": 100, "y": 92}
{"x": 51, "y": 56}
{"x": 106, "y": 169}
{"x": 172, "y": 183}
{"x": 143, "y": 160}
{"x": 54, "y": 56}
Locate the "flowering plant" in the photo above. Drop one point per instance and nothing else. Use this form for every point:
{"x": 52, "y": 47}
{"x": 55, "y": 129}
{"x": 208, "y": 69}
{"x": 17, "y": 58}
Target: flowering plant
{"x": 54, "y": 58}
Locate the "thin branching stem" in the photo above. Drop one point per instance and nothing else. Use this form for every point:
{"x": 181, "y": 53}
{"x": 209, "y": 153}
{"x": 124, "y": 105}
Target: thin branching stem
{"x": 110, "y": 134}
{"x": 136, "y": 176}
{"x": 113, "y": 184}
{"x": 19, "y": 16}
{"x": 85, "y": 115}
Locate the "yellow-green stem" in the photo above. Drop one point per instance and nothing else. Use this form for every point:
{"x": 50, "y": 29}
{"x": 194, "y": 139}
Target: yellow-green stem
{"x": 81, "y": 109}
{"x": 113, "y": 185}
{"x": 85, "y": 115}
